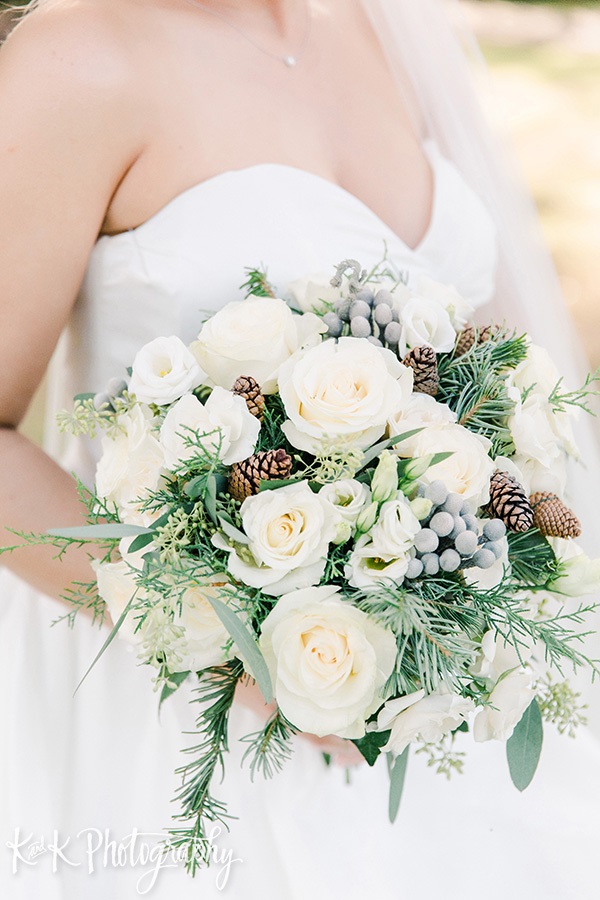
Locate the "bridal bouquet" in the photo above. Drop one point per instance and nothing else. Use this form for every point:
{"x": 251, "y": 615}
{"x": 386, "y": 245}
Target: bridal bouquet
{"x": 356, "y": 498}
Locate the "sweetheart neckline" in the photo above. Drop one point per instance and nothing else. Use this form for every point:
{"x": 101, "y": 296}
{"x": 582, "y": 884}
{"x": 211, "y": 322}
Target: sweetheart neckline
{"x": 429, "y": 146}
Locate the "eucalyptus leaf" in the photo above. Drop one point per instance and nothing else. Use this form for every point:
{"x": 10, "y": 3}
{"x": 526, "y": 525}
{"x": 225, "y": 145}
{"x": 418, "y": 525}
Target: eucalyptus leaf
{"x": 232, "y": 532}
{"x": 195, "y": 487}
{"x": 272, "y": 484}
{"x": 440, "y": 457}
{"x": 253, "y": 658}
{"x": 397, "y": 775}
{"x": 141, "y": 541}
{"x": 103, "y": 532}
{"x": 376, "y": 449}
{"x": 210, "y": 498}
{"x": 106, "y": 644}
{"x": 524, "y": 747}
{"x": 81, "y": 398}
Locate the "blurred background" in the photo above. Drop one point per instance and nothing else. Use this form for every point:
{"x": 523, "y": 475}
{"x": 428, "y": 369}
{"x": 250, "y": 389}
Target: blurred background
{"x": 544, "y": 96}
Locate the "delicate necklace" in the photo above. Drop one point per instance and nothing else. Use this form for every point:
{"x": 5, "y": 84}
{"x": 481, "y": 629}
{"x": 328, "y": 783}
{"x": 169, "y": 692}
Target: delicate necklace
{"x": 290, "y": 59}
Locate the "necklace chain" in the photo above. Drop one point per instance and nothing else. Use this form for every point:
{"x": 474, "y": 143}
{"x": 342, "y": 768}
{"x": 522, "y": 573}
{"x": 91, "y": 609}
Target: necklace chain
{"x": 290, "y": 59}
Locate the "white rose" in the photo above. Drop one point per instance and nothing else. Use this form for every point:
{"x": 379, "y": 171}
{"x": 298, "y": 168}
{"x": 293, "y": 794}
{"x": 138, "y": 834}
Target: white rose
{"x": 425, "y": 322}
{"x": 289, "y": 531}
{"x": 467, "y": 471}
{"x": 367, "y": 569}
{"x": 117, "y": 586}
{"x": 328, "y": 660}
{"x": 224, "y": 420}
{"x": 420, "y": 411}
{"x": 163, "y": 371}
{"x": 459, "y": 310}
{"x": 510, "y": 698}
{"x": 313, "y": 293}
{"x": 131, "y": 466}
{"x": 341, "y": 391}
{"x": 420, "y": 715}
{"x": 536, "y": 374}
{"x": 254, "y": 337}
{"x": 204, "y": 636}
{"x": 347, "y": 499}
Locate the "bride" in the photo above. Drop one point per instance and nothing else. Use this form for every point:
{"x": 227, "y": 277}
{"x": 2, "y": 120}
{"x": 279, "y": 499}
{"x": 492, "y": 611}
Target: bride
{"x": 150, "y": 150}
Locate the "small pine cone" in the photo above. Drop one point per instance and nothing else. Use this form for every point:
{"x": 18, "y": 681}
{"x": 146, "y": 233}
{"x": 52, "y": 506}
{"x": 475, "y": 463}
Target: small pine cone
{"x": 509, "y": 502}
{"x": 248, "y": 388}
{"x": 552, "y": 517}
{"x": 423, "y": 362}
{"x": 467, "y": 338}
{"x": 246, "y": 476}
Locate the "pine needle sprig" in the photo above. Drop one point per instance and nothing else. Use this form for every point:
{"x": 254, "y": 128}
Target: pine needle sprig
{"x": 215, "y": 692}
{"x": 257, "y": 283}
{"x": 83, "y": 597}
{"x": 560, "y": 400}
{"x": 270, "y": 747}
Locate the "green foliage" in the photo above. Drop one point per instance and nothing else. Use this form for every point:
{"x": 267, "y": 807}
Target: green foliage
{"x": 270, "y": 747}
{"x": 524, "y": 747}
{"x": 532, "y": 558}
{"x": 561, "y": 705}
{"x": 397, "y": 770}
{"x": 474, "y": 386}
{"x": 370, "y": 745}
{"x": 257, "y": 283}
{"x": 214, "y": 694}
{"x": 442, "y": 757}
{"x": 561, "y": 400}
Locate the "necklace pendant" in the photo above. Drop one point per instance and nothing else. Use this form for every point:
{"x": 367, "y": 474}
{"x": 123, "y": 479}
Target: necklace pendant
{"x": 290, "y": 61}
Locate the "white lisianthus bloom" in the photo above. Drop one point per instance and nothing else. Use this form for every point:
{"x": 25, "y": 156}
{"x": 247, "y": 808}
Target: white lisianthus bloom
{"x": 537, "y": 373}
{"x": 467, "y": 471}
{"x": 313, "y": 293}
{"x": 328, "y": 661}
{"x": 421, "y": 411}
{"x": 425, "y": 322}
{"x": 204, "y": 636}
{"x": 131, "y": 465}
{"x": 539, "y": 451}
{"x": 347, "y": 499}
{"x": 342, "y": 392}
{"x": 254, "y": 337}
{"x": 459, "y": 309}
{"x": 497, "y": 657}
{"x": 509, "y": 700}
{"x": 394, "y": 532}
{"x": 117, "y": 586}
{"x": 163, "y": 371}
{"x": 420, "y": 715}
{"x": 367, "y": 570}
{"x": 289, "y": 531}
{"x": 580, "y": 575}
{"x": 224, "y": 420}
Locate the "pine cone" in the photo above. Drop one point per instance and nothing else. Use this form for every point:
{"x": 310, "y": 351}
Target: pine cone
{"x": 509, "y": 502}
{"x": 248, "y": 388}
{"x": 470, "y": 336}
{"x": 552, "y": 517}
{"x": 246, "y": 476}
{"x": 423, "y": 362}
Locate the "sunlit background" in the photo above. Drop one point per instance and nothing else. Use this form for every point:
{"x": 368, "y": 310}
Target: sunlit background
{"x": 544, "y": 61}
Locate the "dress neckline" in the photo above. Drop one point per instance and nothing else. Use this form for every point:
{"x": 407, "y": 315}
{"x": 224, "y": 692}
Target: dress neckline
{"x": 429, "y": 146}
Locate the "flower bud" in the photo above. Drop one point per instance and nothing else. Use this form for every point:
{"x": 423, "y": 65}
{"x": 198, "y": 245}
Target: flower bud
{"x": 385, "y": 477}
{"x": 421, "y": 507}
{"x": 417, "y": 467}
{"x": 367, "y": 518}
{"x": 343, "y": 533}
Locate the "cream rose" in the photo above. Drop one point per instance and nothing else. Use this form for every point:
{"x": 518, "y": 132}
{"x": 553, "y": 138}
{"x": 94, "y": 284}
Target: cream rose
{"x": 224, "y": 422}
{"x": 427, "y": 322}
{"x": 421, "y": 411}
{"x": 204, "y": 636}
{"x": 420, "y": 715}
{"x": 289, "y": 530}
{"x": 163, "y": 371}
{"x": 341, "y": 392}
{"x": 117, "y": 586}
{"x": 254, "y": 337}
{"x": 131, "y": 466}
{"x": 328, "y": 661}
{"x": 313, "y": 293}
{"x": 459, "y": 309}
{"x": 467, "y": 471}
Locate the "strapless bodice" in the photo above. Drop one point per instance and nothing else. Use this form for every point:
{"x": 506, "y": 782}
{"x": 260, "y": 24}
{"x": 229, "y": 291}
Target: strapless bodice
{"x": 190, "y": 257}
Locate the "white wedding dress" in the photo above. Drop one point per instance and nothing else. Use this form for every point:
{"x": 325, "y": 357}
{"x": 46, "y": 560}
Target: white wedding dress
{"x": 102, "y": 759}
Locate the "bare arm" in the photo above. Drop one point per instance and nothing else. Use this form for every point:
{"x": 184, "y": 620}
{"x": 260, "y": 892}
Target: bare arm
{"x": 67, "y": 136}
